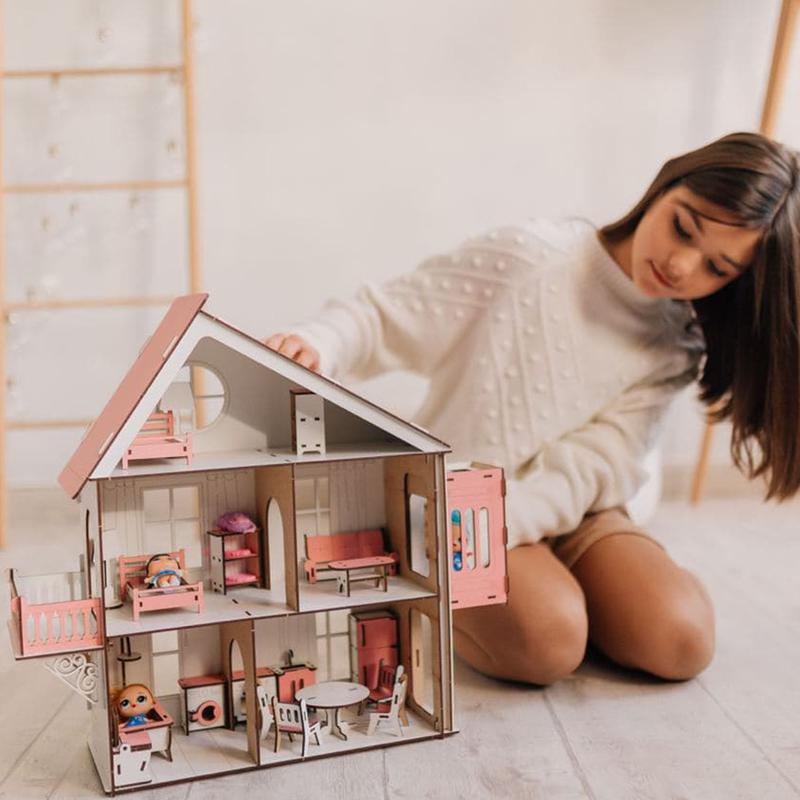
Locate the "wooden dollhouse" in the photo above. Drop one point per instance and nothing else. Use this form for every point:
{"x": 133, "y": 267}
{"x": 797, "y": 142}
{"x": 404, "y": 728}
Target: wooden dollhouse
{"x": 317, "y": 624}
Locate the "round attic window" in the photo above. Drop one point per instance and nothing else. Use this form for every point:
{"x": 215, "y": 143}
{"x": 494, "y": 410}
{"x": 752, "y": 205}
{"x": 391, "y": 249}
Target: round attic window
{"x": 197, "y": 398}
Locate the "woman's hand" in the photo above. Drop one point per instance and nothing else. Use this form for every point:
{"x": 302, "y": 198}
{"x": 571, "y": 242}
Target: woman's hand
{"x": 296, "y": 348}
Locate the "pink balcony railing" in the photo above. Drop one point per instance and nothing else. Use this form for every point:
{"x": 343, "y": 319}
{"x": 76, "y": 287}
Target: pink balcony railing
{"x": 43, "y": 628}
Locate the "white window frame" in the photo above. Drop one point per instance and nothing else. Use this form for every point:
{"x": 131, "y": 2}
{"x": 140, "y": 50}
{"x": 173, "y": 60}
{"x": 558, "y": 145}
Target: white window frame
{"x": 325, "y": 653}
{"x": 315, "y": 513}
{"x": 161, "y": 655}
{"x": 172, "y": 519}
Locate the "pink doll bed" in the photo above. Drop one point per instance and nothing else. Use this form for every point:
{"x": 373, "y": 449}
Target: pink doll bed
{"x": 132, "y": 574}
{"x": 157, "y": 439}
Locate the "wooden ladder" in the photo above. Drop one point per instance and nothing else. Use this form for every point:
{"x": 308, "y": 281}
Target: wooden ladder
{"x": 189, "y": 182}
{"x": 784, "y": 37}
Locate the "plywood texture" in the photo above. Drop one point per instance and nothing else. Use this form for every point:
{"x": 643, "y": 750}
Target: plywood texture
{"x": 602, "y": 734}
{"x": 239, "y": 635}
{"x": 443, "y": 571}
{"x": 278, "y": 483}
{"x": 424, "y": 668}
{"x": 421, "y": 475}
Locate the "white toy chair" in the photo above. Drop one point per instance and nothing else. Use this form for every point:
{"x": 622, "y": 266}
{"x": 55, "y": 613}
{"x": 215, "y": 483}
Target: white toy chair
{"x": 392, "y": 716}
{"x": 293, "y": 718}
{"x": 265, "y": 711}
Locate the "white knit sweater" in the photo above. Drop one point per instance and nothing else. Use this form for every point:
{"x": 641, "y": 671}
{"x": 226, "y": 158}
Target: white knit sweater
{"x": 543, "y": 357}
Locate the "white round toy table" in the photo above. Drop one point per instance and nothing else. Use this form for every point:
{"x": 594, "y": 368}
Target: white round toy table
{"x": 333, "y": 696}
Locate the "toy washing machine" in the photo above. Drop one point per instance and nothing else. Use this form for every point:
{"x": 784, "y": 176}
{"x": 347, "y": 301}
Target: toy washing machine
{"x": 204, "y": 703}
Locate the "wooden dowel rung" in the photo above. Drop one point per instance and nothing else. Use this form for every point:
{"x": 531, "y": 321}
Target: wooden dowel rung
{"x": 85, "y": 72}
{"x": 90, "y": 302}
{"x": 41, "y": 424}
{"x": 113, "y": 186}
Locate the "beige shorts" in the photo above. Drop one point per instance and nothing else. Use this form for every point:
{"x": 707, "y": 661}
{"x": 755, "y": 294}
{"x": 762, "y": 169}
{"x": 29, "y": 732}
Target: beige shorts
{"x": 569, "y": 547}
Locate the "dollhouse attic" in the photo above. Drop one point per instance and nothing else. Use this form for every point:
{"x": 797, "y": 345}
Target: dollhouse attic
{"x": 253, "y": 383}
{"x": 258, "y": 544}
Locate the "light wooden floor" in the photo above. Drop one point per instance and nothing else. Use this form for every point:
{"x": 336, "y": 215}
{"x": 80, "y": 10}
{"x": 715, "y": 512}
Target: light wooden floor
{"x": 603, "y": 734}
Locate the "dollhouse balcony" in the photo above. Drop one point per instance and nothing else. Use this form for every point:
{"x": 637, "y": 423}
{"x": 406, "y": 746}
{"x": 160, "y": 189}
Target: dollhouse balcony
{"x": 63, "y": 626}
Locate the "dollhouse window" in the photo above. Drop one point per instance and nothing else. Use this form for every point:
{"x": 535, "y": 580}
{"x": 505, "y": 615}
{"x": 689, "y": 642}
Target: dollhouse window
{"x": 196, "y": 397}
{"x": 165, "y": 663}
{"x": 333, "y": 645}
{"x": 416, "y": 512}
{"x": 172, "y": 522}
{"x": 312, "y": 505}
{"x": 483, "y": 536}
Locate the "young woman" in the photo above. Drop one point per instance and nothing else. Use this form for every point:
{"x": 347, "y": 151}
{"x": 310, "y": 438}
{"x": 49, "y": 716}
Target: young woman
{"x": 554, "y": 349}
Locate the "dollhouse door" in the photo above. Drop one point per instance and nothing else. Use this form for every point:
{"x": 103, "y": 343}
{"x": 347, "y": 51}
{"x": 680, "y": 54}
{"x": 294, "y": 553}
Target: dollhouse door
{"x": 476, "y": 534}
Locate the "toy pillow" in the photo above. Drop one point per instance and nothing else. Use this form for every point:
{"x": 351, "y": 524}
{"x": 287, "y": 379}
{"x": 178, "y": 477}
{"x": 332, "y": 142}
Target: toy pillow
{"x": 235, "y": 522}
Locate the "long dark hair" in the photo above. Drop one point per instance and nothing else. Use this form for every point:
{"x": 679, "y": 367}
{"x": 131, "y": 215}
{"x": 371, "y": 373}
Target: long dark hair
{"x": 751, "y": 373}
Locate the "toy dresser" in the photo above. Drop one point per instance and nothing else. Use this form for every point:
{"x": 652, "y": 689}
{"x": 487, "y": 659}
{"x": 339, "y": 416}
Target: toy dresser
{"x": 373, "y": 640}
{"x": 290, "y": 678}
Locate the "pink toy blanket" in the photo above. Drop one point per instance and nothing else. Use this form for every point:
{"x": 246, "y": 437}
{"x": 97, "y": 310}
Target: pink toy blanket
{"x": 236, "y": 522}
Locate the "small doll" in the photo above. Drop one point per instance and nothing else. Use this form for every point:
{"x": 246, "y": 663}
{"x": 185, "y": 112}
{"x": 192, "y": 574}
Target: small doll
{"x": 133, "y": 704}
{"x": 163, "y": 570}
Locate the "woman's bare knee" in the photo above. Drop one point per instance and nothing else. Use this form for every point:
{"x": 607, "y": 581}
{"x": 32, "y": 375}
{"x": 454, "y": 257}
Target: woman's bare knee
{"x": 645, "y": 611}
{"x": 556, "y": 652}
{"x": 685, "y": 640}
{"x": 543, "y": 651}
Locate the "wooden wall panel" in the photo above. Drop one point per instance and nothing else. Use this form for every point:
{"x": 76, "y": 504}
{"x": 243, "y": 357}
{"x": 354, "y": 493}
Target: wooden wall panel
{"x": 419, "y": 472}
{"x": 241, "y": 634}
{"x": 278, "y": 483}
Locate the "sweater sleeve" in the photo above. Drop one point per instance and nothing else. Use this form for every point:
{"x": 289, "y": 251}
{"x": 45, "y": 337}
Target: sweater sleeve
{"x": 410, "y": 322}
{"x": 596, "y": 466}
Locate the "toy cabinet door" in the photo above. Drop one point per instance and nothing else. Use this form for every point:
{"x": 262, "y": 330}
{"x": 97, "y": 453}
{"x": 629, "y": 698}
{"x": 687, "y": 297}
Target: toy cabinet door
{"x": 378, "y": 632}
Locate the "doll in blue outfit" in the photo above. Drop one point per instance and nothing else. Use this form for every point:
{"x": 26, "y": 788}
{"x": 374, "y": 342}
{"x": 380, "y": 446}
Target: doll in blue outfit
{"x": 134, "y": 703}
{"x": 163, "y": 570}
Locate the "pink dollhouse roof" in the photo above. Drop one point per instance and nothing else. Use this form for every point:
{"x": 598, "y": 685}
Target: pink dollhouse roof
{"x": 144, "y": 371}
{"x": 139, "y": 377}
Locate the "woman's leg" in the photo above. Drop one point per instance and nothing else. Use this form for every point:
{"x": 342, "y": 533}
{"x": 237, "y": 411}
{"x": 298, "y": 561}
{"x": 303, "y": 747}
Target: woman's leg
{"x": 540, "y": 635}
{"x": 644, "y": 610}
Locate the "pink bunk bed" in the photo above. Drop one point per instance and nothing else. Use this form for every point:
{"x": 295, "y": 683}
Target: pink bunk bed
{"x": 132, "y": 574}
{"x": 157, "y": 439}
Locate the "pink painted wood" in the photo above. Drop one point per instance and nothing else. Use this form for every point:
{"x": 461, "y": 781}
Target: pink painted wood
{"x": 69, "y": 626}
{"x": 124, "y": 401}
{"x": 323, "y": 548}
{"x": 167, "y": 597}
{"x": 358, "y": 563}
{"x": 198, "y": 681}
{"x": 133, "y": 569}
{"x": 157, "y": 718}
{"x": 157, "y": 439}
{"x": 482, "y": 579}
{"x": 131, "y": 585}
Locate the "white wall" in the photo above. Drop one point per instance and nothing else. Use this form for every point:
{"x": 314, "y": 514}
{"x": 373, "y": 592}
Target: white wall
{"x": 337, "y": 143}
